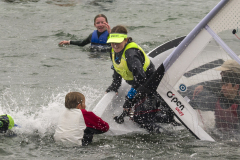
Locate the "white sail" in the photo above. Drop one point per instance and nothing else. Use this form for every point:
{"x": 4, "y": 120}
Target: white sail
{"x": 205, "y": 46}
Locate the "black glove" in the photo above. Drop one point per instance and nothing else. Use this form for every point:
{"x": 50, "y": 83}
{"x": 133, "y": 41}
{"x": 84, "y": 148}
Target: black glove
{"x": 120, "y": 119}
{"x": 112, "y": 88}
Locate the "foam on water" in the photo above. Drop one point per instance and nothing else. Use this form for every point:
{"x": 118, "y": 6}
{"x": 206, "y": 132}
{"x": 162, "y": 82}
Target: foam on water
{"x": 45, "y": 117}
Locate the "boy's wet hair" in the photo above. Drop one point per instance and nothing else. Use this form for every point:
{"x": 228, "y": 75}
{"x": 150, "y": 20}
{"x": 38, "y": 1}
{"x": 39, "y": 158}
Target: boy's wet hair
{"x": 72, "y": 99}
{"x": 100, "y": 15}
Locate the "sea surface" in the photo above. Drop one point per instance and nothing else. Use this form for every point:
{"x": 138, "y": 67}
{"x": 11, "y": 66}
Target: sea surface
{"x": 36, "y": 74}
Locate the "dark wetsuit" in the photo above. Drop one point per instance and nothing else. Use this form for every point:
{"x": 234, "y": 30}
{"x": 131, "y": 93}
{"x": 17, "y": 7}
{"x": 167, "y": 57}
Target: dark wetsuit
{"x": 150, "y": 112}
{"x": 153, "y": 109}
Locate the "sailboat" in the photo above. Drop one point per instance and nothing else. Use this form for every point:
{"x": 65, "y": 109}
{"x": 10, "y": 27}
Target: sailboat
{"x": 189, "y": 62}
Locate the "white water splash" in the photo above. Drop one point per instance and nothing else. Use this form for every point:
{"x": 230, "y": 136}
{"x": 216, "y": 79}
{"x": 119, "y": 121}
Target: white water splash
{"x": 41, "y": 119}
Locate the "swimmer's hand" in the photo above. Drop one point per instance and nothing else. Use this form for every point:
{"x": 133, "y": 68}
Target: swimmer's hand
{"x": 112, "y": 88}
{"x": 64, "y": 43}
{"x": 118, "y": 119}
{"x": 108, "y": 27}
{"x": 197, "y": 91}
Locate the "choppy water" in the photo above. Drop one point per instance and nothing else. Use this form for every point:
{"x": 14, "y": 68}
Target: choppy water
{"x": 36, "y": 74}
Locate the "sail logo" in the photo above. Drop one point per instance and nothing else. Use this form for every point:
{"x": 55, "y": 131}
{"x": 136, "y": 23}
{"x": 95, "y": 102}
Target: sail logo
{"x": 179, "y": 107}
{"x": 183, "y": 87}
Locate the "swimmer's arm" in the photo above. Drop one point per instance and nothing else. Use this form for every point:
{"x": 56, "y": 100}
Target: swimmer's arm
{"x": 135, "y": 65}
{"x": 83, "y": 42}
{"x": 78, "y": 43}
{"x": 212, "y": 86}
{"x": 116, "y": 83}
{"x": 108, "y": 27}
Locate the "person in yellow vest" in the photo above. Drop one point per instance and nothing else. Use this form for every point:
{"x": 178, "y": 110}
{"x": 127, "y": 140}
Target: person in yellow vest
{"x": 6, "y": 123}
{"x": 131, "y": 63}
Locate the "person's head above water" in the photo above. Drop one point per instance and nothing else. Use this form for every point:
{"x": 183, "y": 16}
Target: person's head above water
{"x": 100, "y": 22}
{"x": 118, "y": 38}
{"x": 6, "y": 122}
{"x": 118, "y": 34}
{"x": 229, "y": 65}
{"x": 74, "y": 100}
{"x": 100, "y": 15}
{"x": 230, "y": 73}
